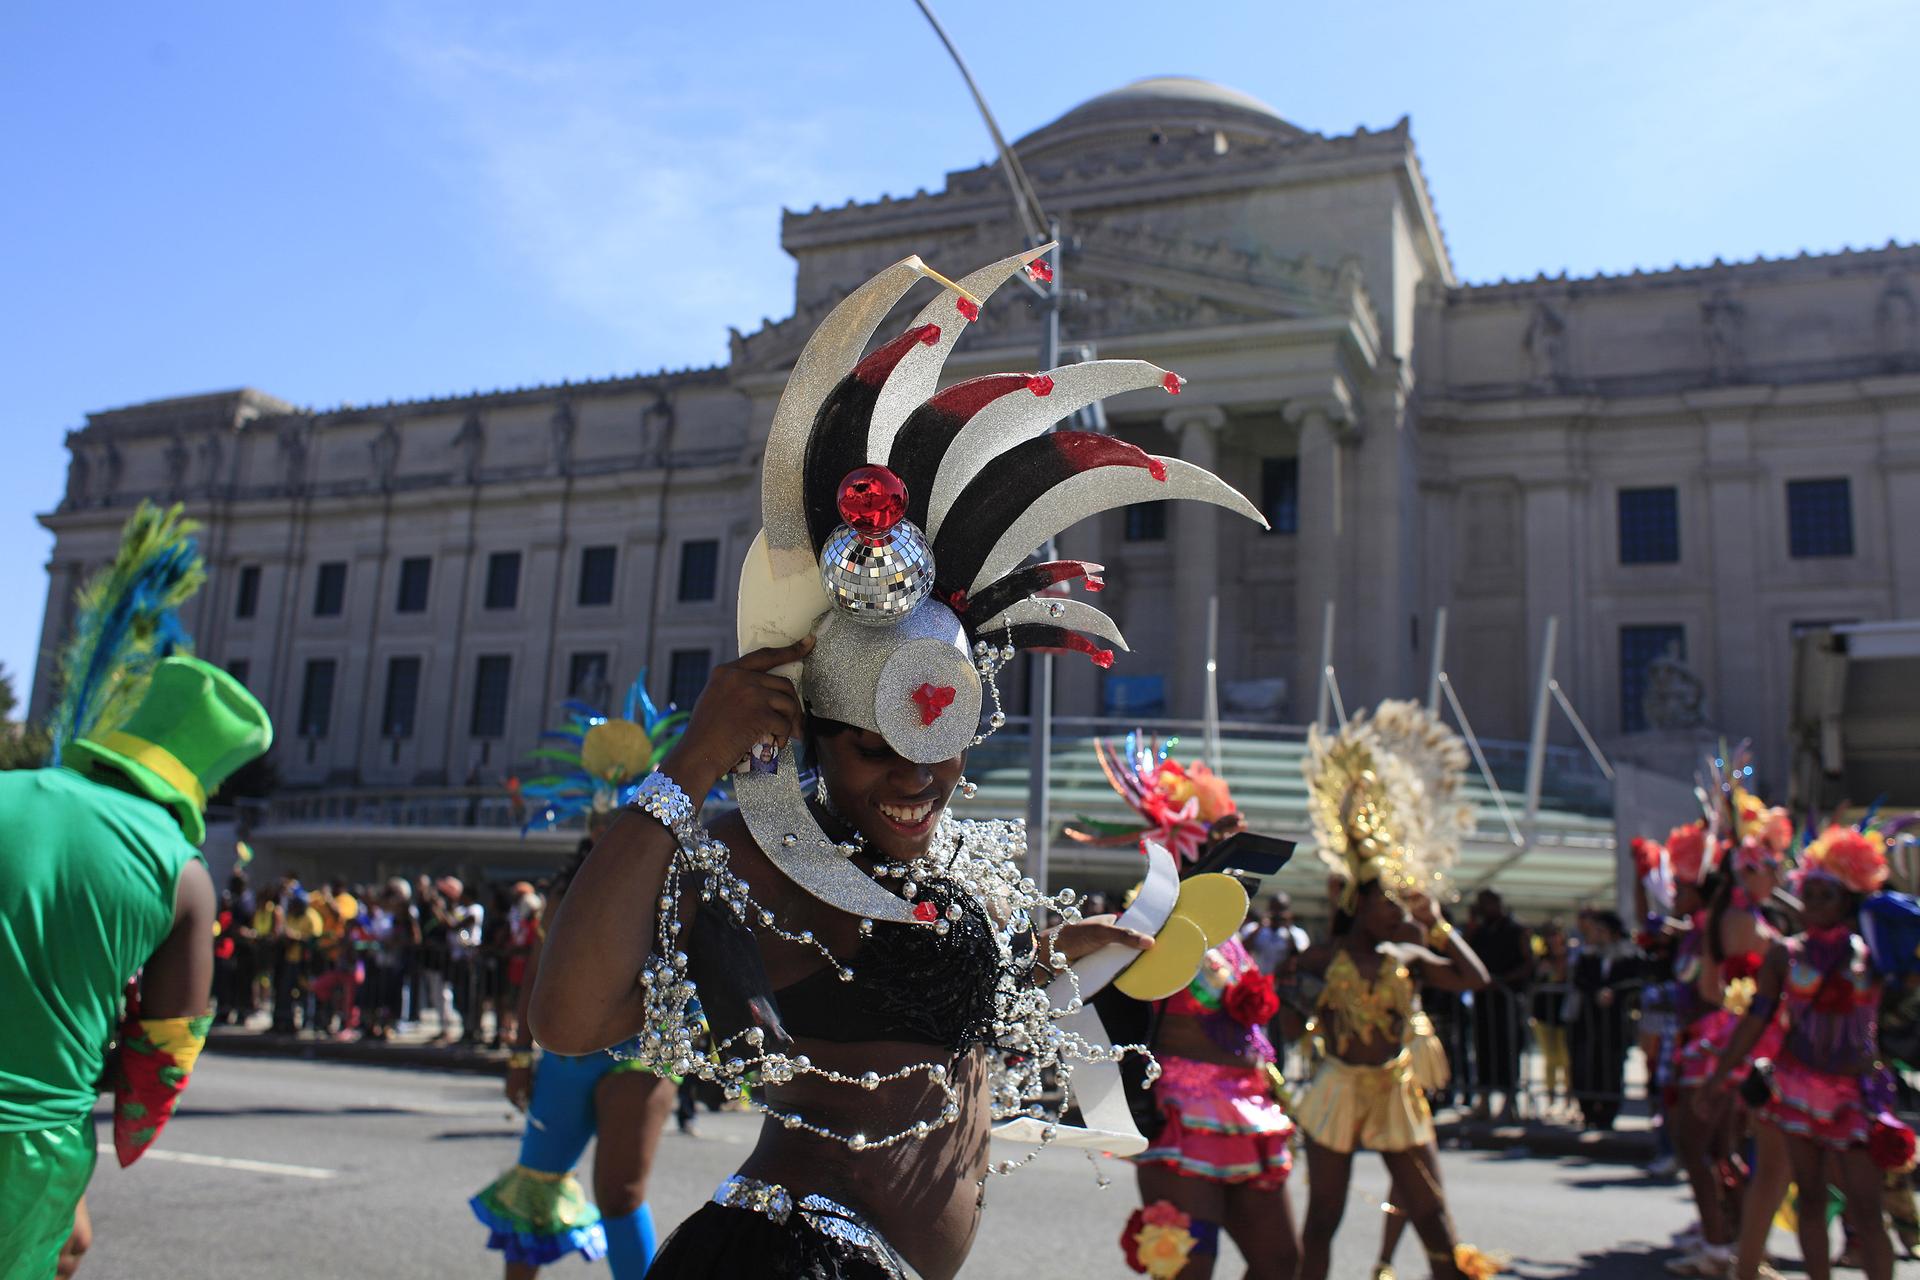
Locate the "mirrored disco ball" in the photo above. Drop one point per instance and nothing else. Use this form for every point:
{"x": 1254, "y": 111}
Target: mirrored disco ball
{"x": 877, "y": 581}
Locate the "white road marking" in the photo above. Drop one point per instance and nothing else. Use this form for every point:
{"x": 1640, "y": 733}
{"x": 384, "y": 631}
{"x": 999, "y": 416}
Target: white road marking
{"x": 226, "y": 1162}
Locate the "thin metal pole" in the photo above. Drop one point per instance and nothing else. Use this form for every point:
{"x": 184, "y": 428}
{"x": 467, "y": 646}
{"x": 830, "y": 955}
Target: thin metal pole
{"x": 1040, "y": 723}
{"x": 1480, "y": 759}
{"x": 1542, "y": 709}
{"x": 1213, "y": 682}
{"x": 1580, "y": 727}
{"x": 1025, "y": 200}
{"x": 1439, "y": 660}
{"x": 1326, "y": 664}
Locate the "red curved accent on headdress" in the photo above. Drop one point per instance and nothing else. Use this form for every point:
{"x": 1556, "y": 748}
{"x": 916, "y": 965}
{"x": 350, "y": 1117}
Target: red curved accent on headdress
{"x": 964, "y": 399}
{"x": 876, "y": 367}
{"x": 1083, "y": 451}
{"x": 1023, "y": 582}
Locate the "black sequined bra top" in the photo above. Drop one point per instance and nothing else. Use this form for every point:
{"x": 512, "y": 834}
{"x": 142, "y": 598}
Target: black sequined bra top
{"x": 910, "y": 982}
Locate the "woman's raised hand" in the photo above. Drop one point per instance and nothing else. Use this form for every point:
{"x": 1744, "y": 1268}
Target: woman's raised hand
{"x": 743, "y": 705}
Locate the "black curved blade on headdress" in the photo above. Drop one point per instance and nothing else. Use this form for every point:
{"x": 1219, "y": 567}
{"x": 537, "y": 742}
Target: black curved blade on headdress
{"x": 976, "y": 611}
{"x": 1013, "y": 482}
{"x": 922, "y": 441}
{"x": 1051, "y": 639}
{"x": 838, "y": 441}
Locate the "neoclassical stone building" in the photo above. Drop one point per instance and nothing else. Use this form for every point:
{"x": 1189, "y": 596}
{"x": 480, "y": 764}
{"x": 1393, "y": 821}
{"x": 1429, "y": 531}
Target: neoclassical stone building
{"x": 1690, "y": 462}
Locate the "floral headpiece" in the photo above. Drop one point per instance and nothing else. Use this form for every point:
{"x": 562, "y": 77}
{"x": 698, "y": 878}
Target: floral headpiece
{"x": 1855, "y": 859}
{"x": 1179, "y": 803}
{"x": 1764, "y": 833}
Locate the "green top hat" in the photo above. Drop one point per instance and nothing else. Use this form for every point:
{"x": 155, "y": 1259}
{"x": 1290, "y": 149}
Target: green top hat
{"x": 196, "y": 725}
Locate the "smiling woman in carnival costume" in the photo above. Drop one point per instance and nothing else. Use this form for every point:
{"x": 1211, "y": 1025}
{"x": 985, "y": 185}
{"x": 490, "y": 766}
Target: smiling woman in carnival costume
{"x": 1386, "y": 820}
{"x": 860, "y": 953}
{"x": 1726, "y": 868}
{"x": 1219, "y": 1154}
{"x": 536, "y": 1212}
{"x": 1828, "y": 1095}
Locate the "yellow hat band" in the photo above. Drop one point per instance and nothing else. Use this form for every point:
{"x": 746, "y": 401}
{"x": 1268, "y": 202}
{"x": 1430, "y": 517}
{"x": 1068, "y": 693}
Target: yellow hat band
{"x": 158, "y": 760}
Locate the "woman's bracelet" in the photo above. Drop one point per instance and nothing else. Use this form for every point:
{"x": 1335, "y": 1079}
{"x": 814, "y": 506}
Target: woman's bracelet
{"x": 519, "y": 1058}
{"x": 1440, "y": 936}
{"x": 661, "y": 798}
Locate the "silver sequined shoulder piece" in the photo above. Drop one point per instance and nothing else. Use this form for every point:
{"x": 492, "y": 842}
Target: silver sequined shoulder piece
{"x": 1103, "y": 489}
{"x": 775, "y": 808}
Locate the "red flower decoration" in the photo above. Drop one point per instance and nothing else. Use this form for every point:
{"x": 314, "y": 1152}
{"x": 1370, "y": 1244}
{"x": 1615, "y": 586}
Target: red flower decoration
{"x": 1130, "y": 1240}
{"x": 1251, "y": 1000}
{"x": 1890, "y": 1143}
{"x": 925, "y": 912}
{"x": 1646, "y": 855}
{"x": 1687, "y": 852}
{"x": 932, "y": 701}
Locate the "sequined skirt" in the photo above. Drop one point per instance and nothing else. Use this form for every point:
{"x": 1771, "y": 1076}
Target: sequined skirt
{"x": 1707, "y": 1039}
{"x": 1220, "y": 1123}
{"x": 760, "y": 1229}
{"x": 1814, "y": 1104}
{"x": 1377, "y": 1108}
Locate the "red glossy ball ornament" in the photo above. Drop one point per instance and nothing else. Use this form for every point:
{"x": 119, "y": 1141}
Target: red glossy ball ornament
{"x": 872, "y": 500}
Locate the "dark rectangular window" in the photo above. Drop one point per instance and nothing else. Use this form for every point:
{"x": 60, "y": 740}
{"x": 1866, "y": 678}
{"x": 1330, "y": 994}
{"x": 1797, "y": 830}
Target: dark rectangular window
{"x": 403, "y": 695}
{"x": 238, "y": 669}
{"x": 490, "y": 680}
{"x": 316, "y": 698}
{"x": 1819, "y": 518}
{"x": 1640, "y": 647}
{"x": 596, "y": 575}
{"x": 587, "y": 677}
{"x": 246, "y": 601}
{"x": 330, "y": 589}
{"x": 416, "y": 574}
{"x": 687, "y": 672}
{"x": 699, "y": 569}
{"x": 1650, "y": 526}
{"x": 1147, "y": 522}
{"x": 503, "y": 580}
{"x": 1280, "y": 494}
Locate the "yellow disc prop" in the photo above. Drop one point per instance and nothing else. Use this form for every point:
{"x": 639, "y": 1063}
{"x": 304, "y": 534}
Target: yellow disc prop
{"x": 615, "y": 750}
{"x": 1169, "y": 966}
{"x": 1217, "y": 903}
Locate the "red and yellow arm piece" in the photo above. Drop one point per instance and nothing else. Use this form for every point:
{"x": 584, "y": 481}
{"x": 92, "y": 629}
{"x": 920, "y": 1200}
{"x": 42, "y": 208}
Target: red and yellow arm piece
{"x": 156, "y": 1057}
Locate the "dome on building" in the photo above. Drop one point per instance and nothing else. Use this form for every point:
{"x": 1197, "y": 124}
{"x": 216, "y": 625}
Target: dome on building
{"x": 1156, "y": 110}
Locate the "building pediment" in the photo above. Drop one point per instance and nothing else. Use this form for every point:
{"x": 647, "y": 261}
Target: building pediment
{"x": 1123, "y": 279}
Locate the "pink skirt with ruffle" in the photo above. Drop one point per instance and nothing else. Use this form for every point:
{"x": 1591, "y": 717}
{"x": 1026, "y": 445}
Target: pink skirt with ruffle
{"x": 1707, "y": 1039}
{"x": 1221, "y": 1123}
{"x": 1813, "y": 1104}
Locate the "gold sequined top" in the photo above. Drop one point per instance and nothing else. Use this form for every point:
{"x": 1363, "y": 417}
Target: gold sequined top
{"x": 1352, "y": 1009}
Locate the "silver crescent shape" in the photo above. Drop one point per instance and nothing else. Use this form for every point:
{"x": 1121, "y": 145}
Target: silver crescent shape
{"x": 918, "y": 373}
{"x": 829, "y": 356}
{"x": 1076, "y": 615}
{"x": 1015, "y": 419}
{"x": 775, "y": 808}
{"x": 1103, "y": 489}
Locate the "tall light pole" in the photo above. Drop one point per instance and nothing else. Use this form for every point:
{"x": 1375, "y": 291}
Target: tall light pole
{"x": 1050, "y": 291}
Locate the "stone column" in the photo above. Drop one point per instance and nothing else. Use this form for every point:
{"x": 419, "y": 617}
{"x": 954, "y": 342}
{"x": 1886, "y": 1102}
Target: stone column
{"x": 1195, "y": 529}
{"x": 1319, "y": 572}
{"x": 1551, "y": 521}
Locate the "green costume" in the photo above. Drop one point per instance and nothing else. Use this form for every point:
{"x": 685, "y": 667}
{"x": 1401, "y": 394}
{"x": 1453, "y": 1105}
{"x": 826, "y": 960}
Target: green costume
{"x": 89, "y": 867}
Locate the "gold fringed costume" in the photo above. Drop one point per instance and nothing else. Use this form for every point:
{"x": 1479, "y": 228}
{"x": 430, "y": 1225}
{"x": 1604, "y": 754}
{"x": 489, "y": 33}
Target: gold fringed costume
{"x": 1349, "y": 1106}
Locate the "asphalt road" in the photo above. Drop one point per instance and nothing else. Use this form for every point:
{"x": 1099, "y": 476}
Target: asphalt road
{"x": 280, "y": 1168}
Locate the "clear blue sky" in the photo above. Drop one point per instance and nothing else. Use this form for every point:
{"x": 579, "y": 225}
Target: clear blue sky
{"x": 346, "y": 203}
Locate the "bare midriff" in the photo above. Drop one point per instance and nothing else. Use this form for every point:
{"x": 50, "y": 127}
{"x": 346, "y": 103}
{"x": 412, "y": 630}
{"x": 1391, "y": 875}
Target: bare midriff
{"x": 922, "y": 1194}
{"x": 1182, "y": 1035}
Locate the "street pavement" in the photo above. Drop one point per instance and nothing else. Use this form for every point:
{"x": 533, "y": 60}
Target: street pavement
{"x": 285, "y": 1168}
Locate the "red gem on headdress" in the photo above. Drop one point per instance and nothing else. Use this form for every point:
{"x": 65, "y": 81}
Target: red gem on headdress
{"x": 968, "y": 308}
{"x": 1094, "y": 582}
{"x": 872, "y": 500}
{"x": 1040, "y": 269}
{"x": 1173, "y": 382}
{"x": 925, "y": 912}
{"x": 932, "y": 701}
{"x": 1040, "y": 384}
{"x": 929, "y": 334}
{"x": 957, "y": 600}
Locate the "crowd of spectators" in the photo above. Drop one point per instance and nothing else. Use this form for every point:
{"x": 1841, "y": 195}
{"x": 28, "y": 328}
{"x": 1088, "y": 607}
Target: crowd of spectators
{"x": 358, "y": 960}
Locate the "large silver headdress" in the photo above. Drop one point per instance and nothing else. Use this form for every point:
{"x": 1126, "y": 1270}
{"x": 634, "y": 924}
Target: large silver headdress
{"x": 898, "y": 522}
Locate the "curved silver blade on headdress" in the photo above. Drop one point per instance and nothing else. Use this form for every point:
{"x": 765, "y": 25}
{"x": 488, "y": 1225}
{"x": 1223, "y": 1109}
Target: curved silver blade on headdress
{"x": 1075, "y": 615}
{"x": 829, "y": 355}
{"x": 1103, "y": 489}
{"x": 917, "y": 375}
{"x": 776, "y": 812}
{"x": 1014, "y": 419}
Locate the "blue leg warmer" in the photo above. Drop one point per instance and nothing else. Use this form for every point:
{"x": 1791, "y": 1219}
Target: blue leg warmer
{"x": 630, "y": 1243}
